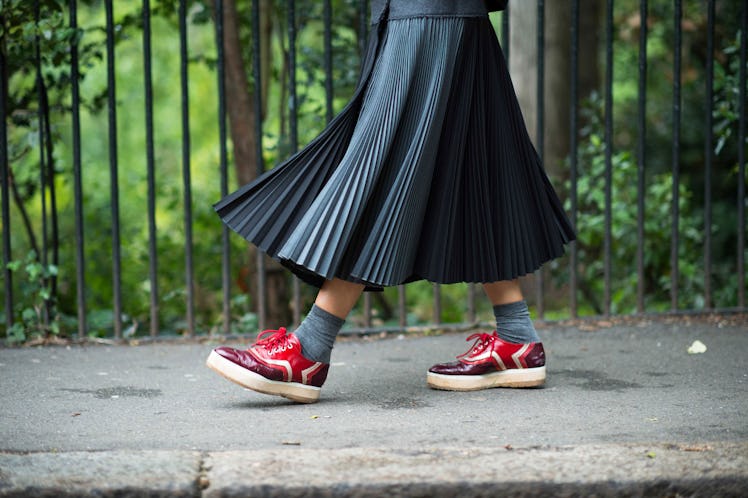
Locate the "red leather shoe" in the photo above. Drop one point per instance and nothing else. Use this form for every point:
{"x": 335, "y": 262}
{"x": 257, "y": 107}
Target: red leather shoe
{"x": 272, "y": 365}
{"x": 491, "y": 362}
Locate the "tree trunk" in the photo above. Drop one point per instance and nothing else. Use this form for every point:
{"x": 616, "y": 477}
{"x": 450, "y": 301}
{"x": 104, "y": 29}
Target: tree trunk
{"x": 523, "y": 59}
{"x": 557, "y": 92}
{"x": 241, "y": 108}
{"x": 243, "y": 126}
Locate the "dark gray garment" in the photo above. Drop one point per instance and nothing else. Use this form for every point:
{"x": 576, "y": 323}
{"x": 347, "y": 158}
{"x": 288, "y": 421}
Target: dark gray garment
{"x": 427, "y": 173}
{"x": 400, "y": 9}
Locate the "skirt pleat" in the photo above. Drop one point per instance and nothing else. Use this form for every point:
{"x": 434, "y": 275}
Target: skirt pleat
{"x": 427, "y": 173}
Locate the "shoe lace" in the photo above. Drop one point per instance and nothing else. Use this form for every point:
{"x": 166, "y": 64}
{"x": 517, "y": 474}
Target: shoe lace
{"x": 482, "y": 340}
{"x": 273, "y": 340}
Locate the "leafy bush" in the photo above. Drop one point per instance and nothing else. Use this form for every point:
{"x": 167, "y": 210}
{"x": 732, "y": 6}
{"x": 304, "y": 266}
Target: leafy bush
{"x": 33, "y": 312}
{"x": 624, "y": 243}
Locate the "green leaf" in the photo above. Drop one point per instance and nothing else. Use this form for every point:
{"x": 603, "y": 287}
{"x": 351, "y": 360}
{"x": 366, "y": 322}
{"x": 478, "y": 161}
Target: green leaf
{"x": 28, "y": 315}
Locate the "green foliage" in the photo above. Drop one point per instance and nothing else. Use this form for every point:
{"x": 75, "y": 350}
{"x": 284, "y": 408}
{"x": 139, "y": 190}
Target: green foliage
{"x": 32, "y": 310}
{"x": 726, "y": 110}
{"x": 310, "y": 74}
{"x": 22, "y": 33}
{"x": 623, "y": 225}
{"x": 244, "y": 320}
{"x": 24, "y": 138}
{"x": 725, "y": 179}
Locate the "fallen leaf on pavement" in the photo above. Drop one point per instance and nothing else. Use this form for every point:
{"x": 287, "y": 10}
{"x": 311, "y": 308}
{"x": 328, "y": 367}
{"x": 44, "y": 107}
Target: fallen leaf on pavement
{"x": 697, "y": 347}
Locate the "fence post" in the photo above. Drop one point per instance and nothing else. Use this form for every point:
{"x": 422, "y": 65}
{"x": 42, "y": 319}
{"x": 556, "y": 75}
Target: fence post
{"x": 151, "y": 168}
{"x": 641, "y": 167}
{"x": 741, "y": 156}
{"x": 573, "y": 147}
{"x": 113, "y": 172}
{"x": 80, "y": 262}
{"x": 675, "y": 230}
{"x": 608, "y": 236}
{"x": 5, "y": 178}
{"x": 708, "y": 155}
{"x": 540, "y": 134}
{"x": 257, "y": 75}
{"x": 186, "y": 168}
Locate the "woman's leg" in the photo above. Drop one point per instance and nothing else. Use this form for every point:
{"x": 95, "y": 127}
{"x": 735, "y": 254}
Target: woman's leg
{"x": 507, "y": 291}
{"x": 515, "y": 358}
{"x": 319, "y": 329}
{"x": 513, "y": 322}
{"x": 293, "y": 365}
{"x": 338, "y": 297}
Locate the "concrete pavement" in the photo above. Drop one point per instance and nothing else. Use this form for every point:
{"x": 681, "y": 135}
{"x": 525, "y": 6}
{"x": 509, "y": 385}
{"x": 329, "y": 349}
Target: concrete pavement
{"x": 626, "y": 410}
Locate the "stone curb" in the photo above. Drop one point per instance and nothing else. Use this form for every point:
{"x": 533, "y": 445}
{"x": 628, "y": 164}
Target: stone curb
{"x": 100, "y": 473}
{"x": 603, "y": 470}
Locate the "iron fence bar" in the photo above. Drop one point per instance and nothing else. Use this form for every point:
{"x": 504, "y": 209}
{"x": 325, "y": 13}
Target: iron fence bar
{"x": 43, "y": 182}
{"x": 49, "y": 147}
{"x": 327, "y": 20}
{"x": 464, "y": 327}
{"x": 505, "y": 33}
{"x": 186, "y": 169}
{"x": 608, "y": 215}
{"x": 402, "y": 312}
{"x": 80, "y": 262}
{"x": 293, "y": 119}
{"x": 471, "y": 313}
{"x": 257, "y": 76}
{"x": 708, "y": 140}
{"x": 675, "y": 211}
{"x": 641, "y": 167}
{"x": 5, "y": 177}
{"x": 540, "y": 135}
{"x": 46, "y": 173}
{"x": 741, "y": 156}
{"x": 437, "y": 303}
{"x": 413, "y": 329}
{"x": 113, "y": 172}
{"x": 42, "y": 170}
{"x": 223, "y": 167}
{"x": 367, "y": 309}
{"x": 363, "y": 16}
{"x": 573, "y": 147}
{"x": 150, "y": 167}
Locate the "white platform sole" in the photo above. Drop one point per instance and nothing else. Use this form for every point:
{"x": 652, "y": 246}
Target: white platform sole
{"x": 519, "y": 377}
{"x": 246, "y": 378}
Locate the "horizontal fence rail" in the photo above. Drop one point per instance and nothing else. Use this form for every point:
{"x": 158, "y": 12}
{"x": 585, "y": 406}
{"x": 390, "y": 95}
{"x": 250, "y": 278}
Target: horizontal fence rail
{"x": 657, "y": 233}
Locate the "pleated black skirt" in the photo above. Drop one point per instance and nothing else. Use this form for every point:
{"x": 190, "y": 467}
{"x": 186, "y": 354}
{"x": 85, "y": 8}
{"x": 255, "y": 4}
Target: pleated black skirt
{"x": 427, "y": 173}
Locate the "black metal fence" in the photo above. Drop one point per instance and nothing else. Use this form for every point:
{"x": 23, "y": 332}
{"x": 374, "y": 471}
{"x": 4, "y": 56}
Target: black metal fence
{"x": 575, "y": 174}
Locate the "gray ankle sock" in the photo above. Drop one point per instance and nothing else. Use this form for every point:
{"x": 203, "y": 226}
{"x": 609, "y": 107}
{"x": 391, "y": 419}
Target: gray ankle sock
{"x": 317, "y": 334}
{"x": 513, "y": 323}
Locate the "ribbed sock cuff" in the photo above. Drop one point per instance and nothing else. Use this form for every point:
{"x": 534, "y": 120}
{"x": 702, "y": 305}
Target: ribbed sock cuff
{"x": 513, "y": 323}
{"x": 317, "y": 334}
